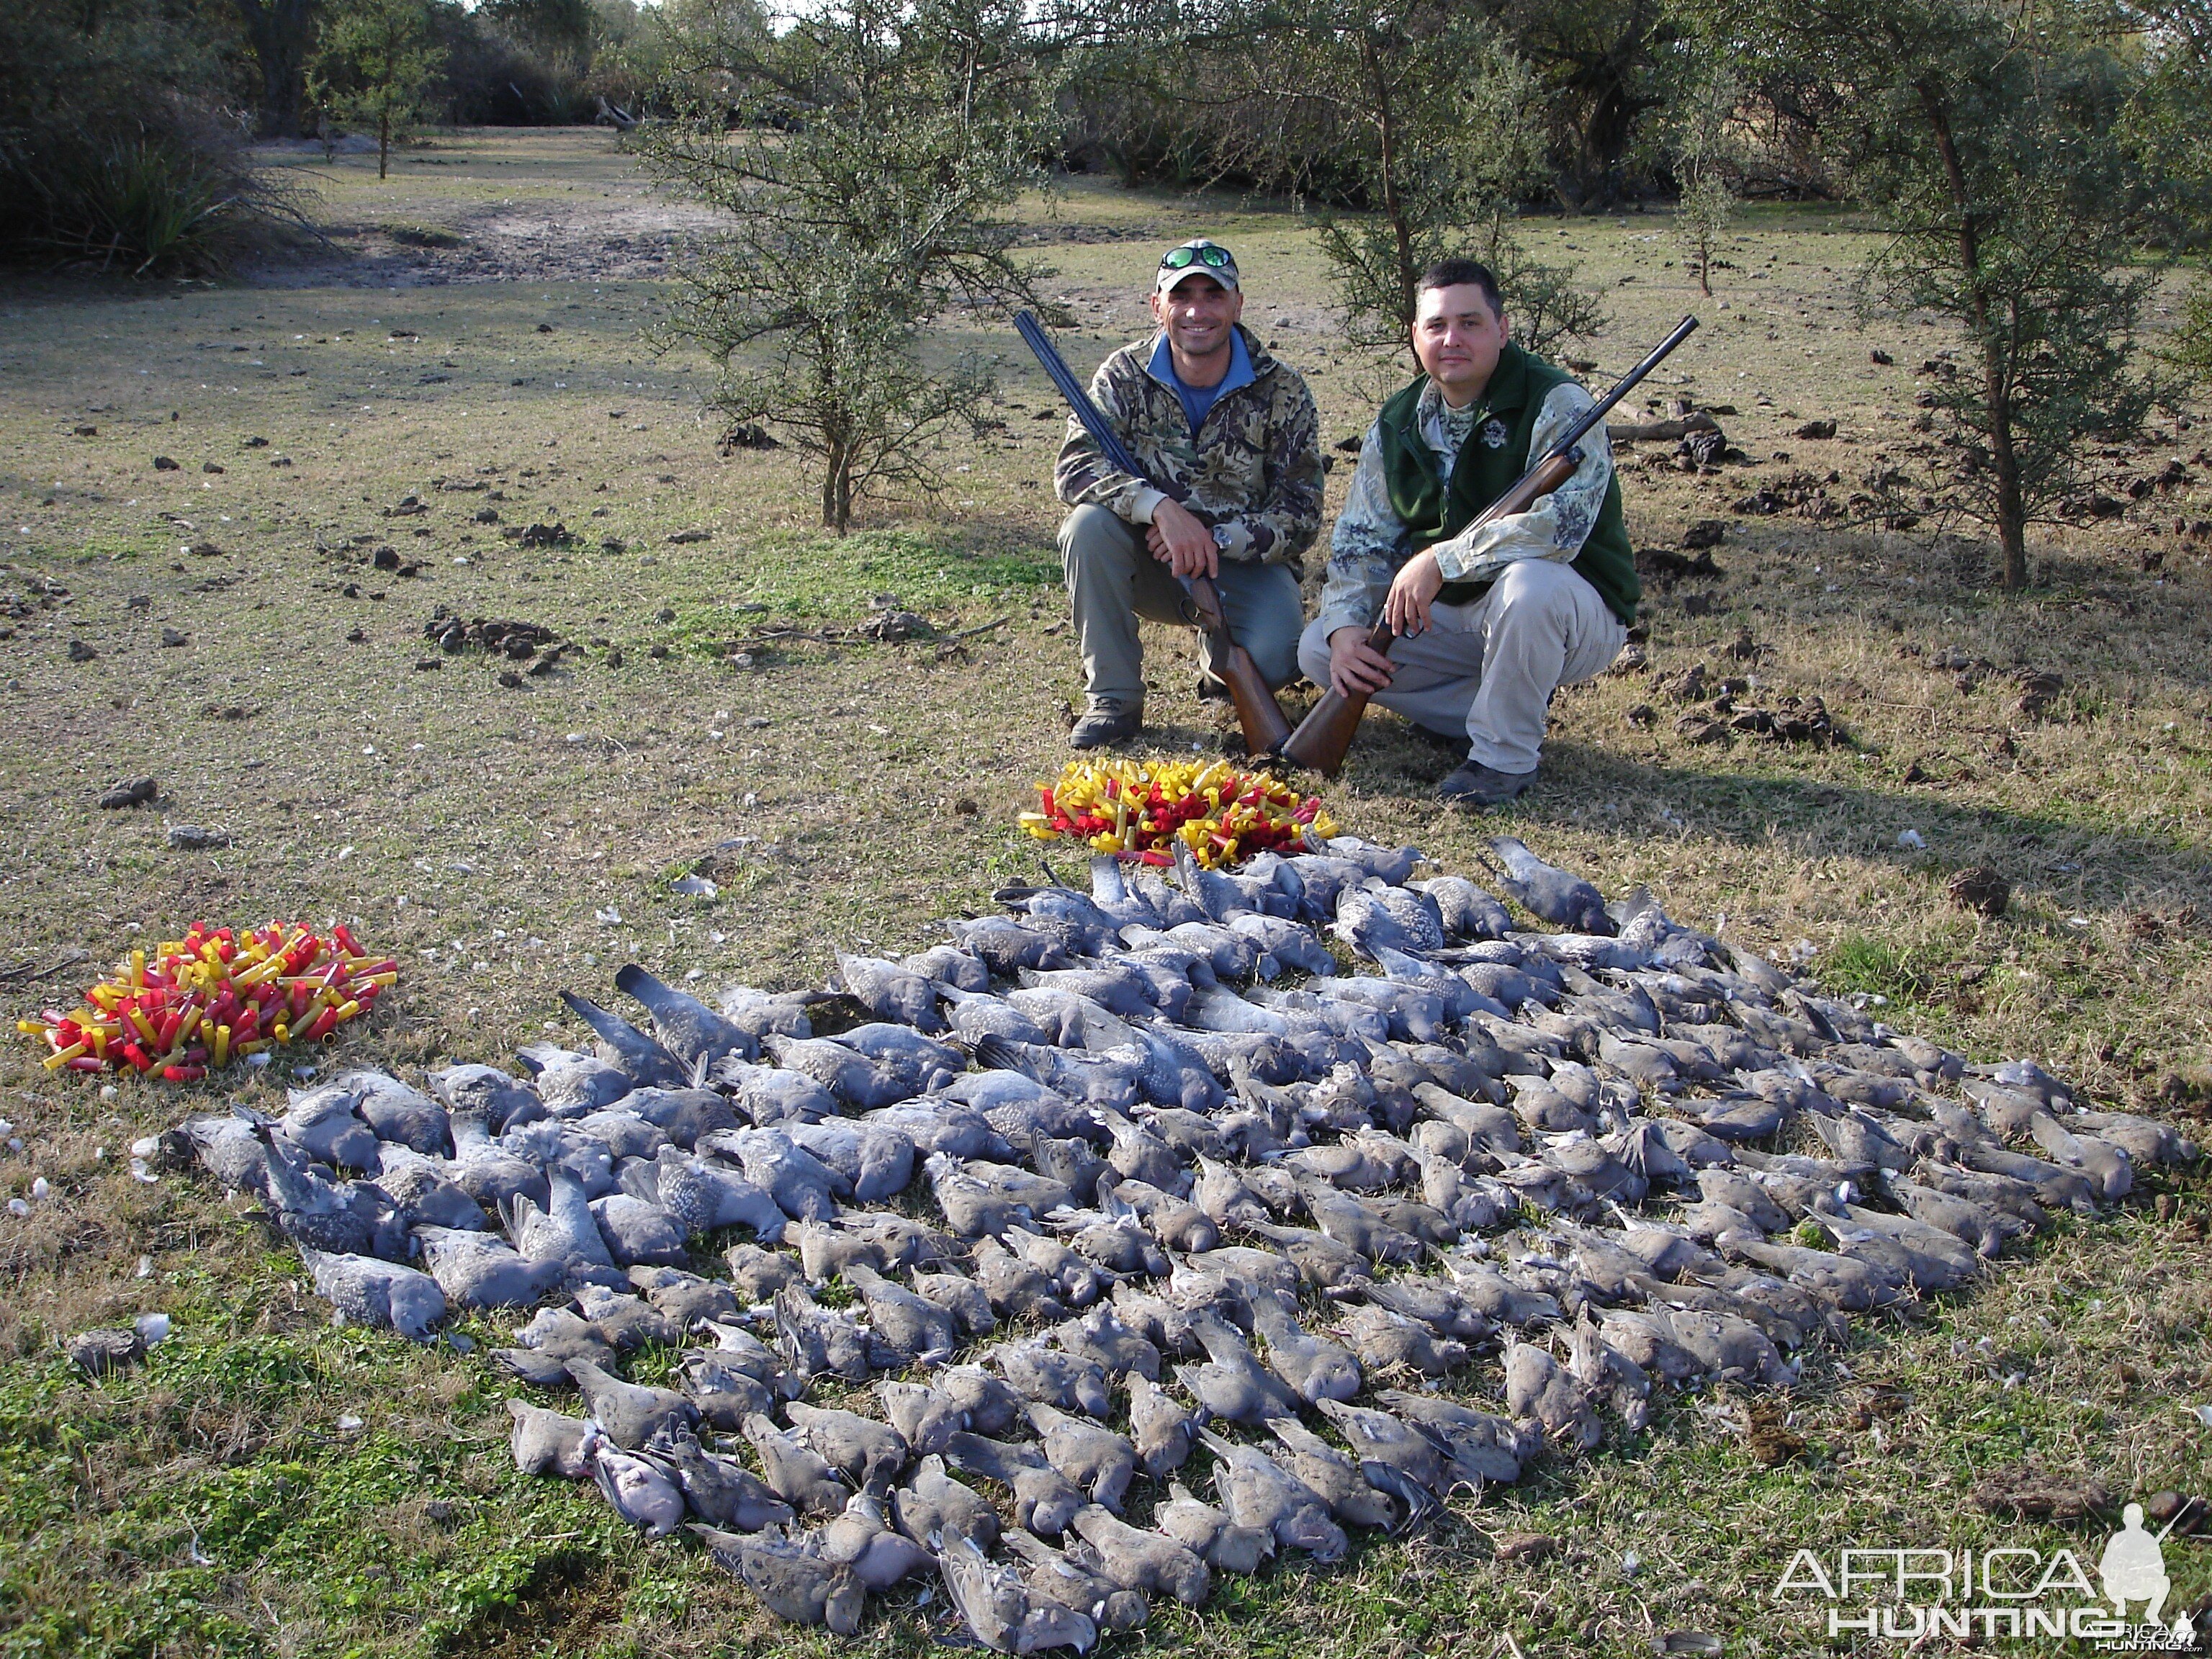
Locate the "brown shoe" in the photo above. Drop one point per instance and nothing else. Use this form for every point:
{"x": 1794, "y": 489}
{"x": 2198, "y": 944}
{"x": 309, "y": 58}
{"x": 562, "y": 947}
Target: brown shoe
{"x": 1106, "y": 722}
{"x": 1476, "y": 784}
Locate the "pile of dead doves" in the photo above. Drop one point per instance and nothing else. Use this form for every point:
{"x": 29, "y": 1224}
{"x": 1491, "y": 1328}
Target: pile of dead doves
{"x": 1095, "y": 1193}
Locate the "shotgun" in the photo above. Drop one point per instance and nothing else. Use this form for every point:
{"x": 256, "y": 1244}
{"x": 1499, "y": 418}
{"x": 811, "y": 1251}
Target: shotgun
{"x": 1326, "y": 732}
{"x": 1264, "y": 725}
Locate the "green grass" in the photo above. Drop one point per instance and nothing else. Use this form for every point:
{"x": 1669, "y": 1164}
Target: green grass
{"x": 838, "y": 773}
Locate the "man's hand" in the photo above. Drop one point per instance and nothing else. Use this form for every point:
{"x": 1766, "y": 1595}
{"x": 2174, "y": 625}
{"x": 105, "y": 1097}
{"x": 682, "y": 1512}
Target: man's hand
{"x": 1353, "y": 667}
{"x": 1418, "y": 582}
{"x": 1180, "y": 541}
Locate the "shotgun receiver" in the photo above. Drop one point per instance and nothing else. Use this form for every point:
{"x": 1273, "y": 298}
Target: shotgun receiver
{"x": 1326, "y": 732}
{"x": 1264, "y": 725}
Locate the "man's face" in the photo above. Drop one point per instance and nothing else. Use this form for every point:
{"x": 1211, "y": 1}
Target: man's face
{"x": 1198, "y": 313}
{"x": 1457, "y": 337}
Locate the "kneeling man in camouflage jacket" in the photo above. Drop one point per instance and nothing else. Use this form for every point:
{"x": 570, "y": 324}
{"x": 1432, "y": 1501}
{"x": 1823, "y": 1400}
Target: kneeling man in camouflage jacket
{"x": 1228, "y": 438}
{"x": 1490, "y": 620}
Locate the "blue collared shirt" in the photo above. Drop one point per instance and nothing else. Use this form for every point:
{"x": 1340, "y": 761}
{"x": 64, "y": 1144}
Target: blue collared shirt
{"x": 1196, "y": 400}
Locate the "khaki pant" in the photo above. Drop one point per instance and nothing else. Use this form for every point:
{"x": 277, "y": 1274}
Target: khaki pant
{"x": 1113, "y": 580}
{"x": 1490, "y": 667}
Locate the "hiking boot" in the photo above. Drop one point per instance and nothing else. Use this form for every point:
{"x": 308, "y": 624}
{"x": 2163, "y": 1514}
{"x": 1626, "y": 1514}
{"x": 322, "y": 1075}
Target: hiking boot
{"x": 1106, "y": 722}
{"x": 1476, "y": 784}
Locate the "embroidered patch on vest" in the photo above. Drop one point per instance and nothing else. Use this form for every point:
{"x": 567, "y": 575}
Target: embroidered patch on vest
{"x": 1494, "y": 434}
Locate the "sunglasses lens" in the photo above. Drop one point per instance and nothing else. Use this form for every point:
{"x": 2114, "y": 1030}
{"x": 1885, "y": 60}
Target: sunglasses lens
{"x": 1177, "y": 257}
{"x": 1216, "y": 256}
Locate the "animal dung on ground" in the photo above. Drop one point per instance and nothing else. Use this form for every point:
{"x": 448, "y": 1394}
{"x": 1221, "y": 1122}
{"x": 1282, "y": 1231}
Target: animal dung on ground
{"x": 1270, "y": 1206}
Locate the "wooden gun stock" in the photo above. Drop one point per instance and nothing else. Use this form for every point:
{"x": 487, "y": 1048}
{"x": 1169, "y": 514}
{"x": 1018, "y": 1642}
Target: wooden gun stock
{"x": 1326, "y": 732}
{"x": 1265, "y": 725}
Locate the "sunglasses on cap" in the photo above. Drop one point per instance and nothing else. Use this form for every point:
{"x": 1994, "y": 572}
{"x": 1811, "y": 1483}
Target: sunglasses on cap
{"x": 1212, "y": 255}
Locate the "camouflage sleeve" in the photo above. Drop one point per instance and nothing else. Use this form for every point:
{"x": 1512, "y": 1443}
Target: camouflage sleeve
{"x": 1366, "y": 548}
{"x": 1283, "y": 526}
{"x": 1556, "y": 526}
{"x": 1083, "y": 476}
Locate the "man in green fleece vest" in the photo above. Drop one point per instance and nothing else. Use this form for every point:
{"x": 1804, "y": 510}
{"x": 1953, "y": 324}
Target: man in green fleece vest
{"x": 1490, "y": 622}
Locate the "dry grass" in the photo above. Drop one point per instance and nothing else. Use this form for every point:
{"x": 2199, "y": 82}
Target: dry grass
{"x": 480, "y": 831}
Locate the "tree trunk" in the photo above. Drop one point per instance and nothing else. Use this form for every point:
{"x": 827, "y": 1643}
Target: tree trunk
{"x": 279, "y": 32}
{"x": 384, "y": 138}
{"x": 1996, "y": 379}
{"x": 2004, "y": 461}
{"x": 837, "y": 488}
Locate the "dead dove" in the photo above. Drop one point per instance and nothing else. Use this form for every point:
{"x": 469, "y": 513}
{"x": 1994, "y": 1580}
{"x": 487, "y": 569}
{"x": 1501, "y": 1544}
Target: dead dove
{"x": 722, "y": 1490}
{"x": 959, "y": 1296}
{"x": 1262, "y": 1494}
{"x": 1073, "y": 1581}
{"x": 384, "y": 1294}
{"x": 924, "y": 1418}
{"x": 637, "y": 1488}
{"x": 1233, "y": 1385}
{"x": 873, "y": 1161}
{"x": 627, "y": 1322}
{"x": 1349, "y": 1496}
{"x": 687, "y": 1027}
{"x": 553, "y": 1337}
{"x": 890, "y": 992}
{"x": 865, "y": 1450}
{"x": 1049, "y": 1376}
{"x": 992, "y": 1407}
{"x": 1045, "y": 1500}
{"x": 1538, "y": 1390}
{"x": 1095, "y": 1458}
{"x": 794, "y": 1583}
{"x": 476, "y": 1271}
{"x": 924, "y": 1333}
{"x": 800, "y": 1183}
{"x": 1381, "y": 1441}
{"x": 816, "y": 1339}
{"x": 1549, "y": 892}
{"x": 1209, "y": 1533}
{"x": 1316, "y": 1368}
{"x": 740, "y": 1350}
{"x": 933, "y": 1505}
{"x": 796, "y": 1473}
{"x": 1140, "y": 1560}
{"x": 1387, "y": 1343}
{"x": 628, "y": 1414}
{"x": 1607, "y": 1373}
{"x": 622, "y": 1046}
{"x": 704, "y": 1196}
{"x": 863, "y": 1539}
{"x": 1476, "y": 1446}
{"x": 1101, "y": 1336}
{"x": 760, "y": 1274}
{"x": 543, "y": 1441}
{"x": 1160, "y": 1429}
{"x": 1001, "y": 1613}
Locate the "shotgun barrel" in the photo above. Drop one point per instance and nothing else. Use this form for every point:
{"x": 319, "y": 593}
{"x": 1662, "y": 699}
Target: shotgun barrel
{"x": 1266, "y": 727}
{"x": 1325, "y": 734}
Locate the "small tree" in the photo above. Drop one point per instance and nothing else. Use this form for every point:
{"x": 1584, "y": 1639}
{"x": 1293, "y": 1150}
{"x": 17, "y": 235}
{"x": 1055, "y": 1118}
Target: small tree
{"x": 1418, "y": 130}
{"x": 1703, "y": 164}
{"x": 377, "y": 61}
{"x": 1981, "y": 134}
{"x": 866, "y": 154}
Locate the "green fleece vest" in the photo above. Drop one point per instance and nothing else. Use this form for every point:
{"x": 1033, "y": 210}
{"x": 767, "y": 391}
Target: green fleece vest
{"x": 1434, "y": 510}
